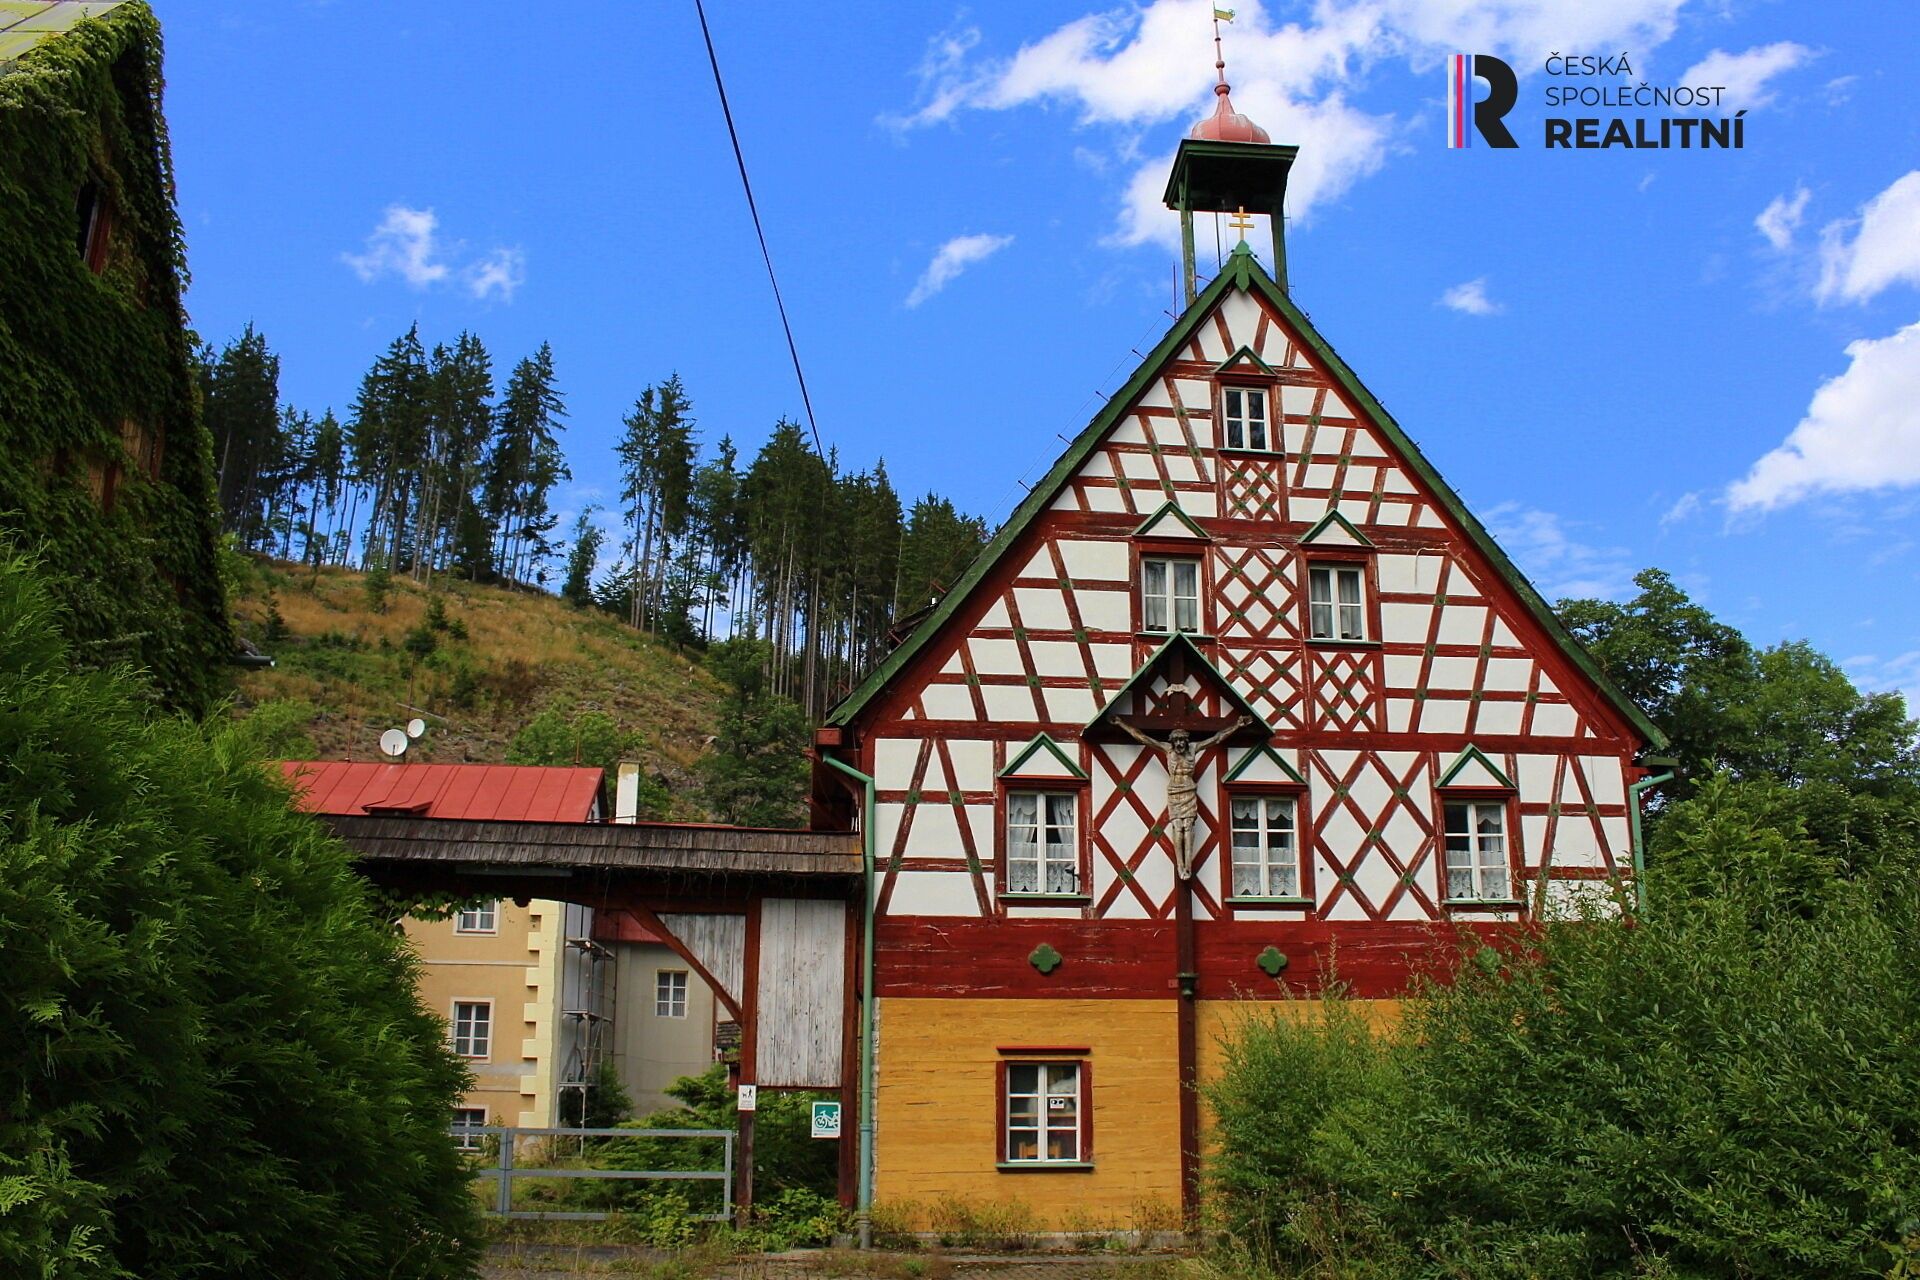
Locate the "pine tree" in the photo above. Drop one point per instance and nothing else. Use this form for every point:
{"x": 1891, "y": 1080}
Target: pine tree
{"x": 587, "y": 537}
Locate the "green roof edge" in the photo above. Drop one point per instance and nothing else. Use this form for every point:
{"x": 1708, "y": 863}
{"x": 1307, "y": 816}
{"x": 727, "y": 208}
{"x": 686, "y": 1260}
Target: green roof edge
{"x": 1243, "y": 271}
{"x": 1332, "y": 516}
{"x": 1185, "y": 519}
{"x": 1181, "y": 638}
{"x": 1246, "y": 351}
{"x": 1264, "y": 749}
{"x": 1467, "y": 757}
{"x": 1037, "y": 742}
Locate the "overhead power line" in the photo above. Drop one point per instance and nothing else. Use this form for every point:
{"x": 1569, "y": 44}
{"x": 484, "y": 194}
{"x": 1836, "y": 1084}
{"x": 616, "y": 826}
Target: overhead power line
{"x": 740, "y": 159}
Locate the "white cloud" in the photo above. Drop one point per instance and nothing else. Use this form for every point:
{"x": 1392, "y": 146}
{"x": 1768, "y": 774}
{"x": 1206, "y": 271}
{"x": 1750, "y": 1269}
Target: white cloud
{"x": 1559, "y": 564}
{"x": 407, "y": 245}
{"x": 1133, "y": 67}
{"x": 501, "y": 272}
{"x": 953, "y": 257}
{"x": 1683, "y": 509}
{"x": 1781, "y": 218}
{"x": 1744, "y": 76}
{"x": 1471, "y": 299}
{"x": 1861, "y": 431}
{"x": 1899, "y": 674}
{"x": 1885, "y": 249}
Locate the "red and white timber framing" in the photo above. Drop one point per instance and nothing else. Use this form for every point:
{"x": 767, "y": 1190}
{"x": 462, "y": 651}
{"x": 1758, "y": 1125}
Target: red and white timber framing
{"x": 1458, "y": 658}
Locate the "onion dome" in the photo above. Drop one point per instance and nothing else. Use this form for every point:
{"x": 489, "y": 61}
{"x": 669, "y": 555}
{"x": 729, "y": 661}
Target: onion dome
{"x": 1226, "y": 124}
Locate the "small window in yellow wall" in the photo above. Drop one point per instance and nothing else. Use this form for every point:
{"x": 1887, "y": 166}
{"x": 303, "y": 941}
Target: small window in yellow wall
{"x": 465, "y": 1121}
{"x": 670, "y": 993}
{"x": 473, "y": 1028}
{"x": 1046, "y": 1115}
{"x": 482, "y": 919}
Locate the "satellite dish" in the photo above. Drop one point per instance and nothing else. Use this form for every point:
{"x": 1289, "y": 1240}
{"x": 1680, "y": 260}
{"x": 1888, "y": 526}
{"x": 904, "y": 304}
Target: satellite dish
{"x": 416, "y": 727}
{"x": 394, "y": 743}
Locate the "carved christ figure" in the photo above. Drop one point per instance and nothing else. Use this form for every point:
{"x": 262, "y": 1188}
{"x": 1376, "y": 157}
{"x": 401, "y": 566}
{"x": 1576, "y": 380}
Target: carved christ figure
{"x": 1183, "y": 801}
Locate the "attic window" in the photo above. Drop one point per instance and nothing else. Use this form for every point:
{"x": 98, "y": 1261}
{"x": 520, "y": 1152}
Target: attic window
{"x": 1243, "y": 410}
{"x": 92, "y": 222}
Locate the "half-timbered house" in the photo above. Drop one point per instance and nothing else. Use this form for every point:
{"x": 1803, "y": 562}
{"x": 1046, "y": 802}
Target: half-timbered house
{"x": 1240, "y": 696}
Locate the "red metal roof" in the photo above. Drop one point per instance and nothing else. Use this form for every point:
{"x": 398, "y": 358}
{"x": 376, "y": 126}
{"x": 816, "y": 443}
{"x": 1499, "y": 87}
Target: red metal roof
{"x": 489, "y": 792}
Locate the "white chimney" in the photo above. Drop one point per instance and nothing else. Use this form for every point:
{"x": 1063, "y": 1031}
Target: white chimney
{"x": 626, "y": 792}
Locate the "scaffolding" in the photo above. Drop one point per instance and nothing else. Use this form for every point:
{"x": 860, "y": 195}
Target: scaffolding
{"x": 587, "y": 994}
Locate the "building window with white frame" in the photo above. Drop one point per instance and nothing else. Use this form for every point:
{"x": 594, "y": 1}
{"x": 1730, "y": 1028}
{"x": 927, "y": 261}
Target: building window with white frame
{"x": 1477, "y": 869}
{"x": 466, "y": 1120}
{"x": 473, "y": 1028}
{"x": 1043, "y": 1114}
{"x": 1244, "y": 411}
{"x": 670, "y": 993}
{"x": 1043, "y": 846}
{"x": 1169, "y": 594}
{"x": 1336, "y": 599}
{"x": 482, "y": 919}
{"x": 1266, "y": 861}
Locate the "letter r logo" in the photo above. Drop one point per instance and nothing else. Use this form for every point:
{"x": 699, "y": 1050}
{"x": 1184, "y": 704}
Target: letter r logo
{"x": 1503, "y": 89}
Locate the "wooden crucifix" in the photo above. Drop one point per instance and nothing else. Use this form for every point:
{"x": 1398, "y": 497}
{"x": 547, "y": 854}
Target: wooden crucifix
{"x": 1177, "y": 753}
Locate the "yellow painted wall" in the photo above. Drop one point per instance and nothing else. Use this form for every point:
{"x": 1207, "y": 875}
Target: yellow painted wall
{"x": 516, "y": 967}
{"x": 937, "y": 1107}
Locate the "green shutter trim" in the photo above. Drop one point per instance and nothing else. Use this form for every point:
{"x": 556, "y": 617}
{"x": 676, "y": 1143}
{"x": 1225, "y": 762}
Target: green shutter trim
{"x": 1245, "y": 353}
{"x": 1041, "y": 742}
{"x": 1241, "y": 272}
{"x": 1293, "y": 775}
{"x": 1467, "y": 757}
{"x": 1166, "y": 508}
{"x": 1331, "y": 518}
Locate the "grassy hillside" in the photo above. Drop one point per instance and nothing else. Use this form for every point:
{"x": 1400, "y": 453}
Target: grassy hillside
{"x": 344, "y": 670}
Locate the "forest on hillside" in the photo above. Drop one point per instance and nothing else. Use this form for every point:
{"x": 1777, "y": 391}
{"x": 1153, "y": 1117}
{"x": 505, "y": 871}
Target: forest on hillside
{"x": 438, "y": 469}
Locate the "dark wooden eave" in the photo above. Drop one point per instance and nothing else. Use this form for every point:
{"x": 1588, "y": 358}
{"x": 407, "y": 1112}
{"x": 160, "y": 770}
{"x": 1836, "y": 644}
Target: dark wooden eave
{"x": 404, "y": 850}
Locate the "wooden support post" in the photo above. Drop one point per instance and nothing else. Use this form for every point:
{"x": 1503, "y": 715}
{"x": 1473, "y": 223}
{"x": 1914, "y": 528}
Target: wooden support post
{"x": 743, "y": 1173}
{"x": 1187, "y": 1034}
{"x": 749, "y": 1057}
{"x": 1186, "y": 249}
{"x": 849, "y": 1154}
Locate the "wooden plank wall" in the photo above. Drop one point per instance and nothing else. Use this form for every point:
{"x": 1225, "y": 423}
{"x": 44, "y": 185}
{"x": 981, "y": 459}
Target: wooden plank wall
{"x": 802, "y": 992}
{"x": 719, "y": 942}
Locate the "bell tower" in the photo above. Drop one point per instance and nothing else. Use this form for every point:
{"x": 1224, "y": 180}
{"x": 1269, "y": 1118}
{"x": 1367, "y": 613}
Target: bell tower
{"x": 1228, "y": 164}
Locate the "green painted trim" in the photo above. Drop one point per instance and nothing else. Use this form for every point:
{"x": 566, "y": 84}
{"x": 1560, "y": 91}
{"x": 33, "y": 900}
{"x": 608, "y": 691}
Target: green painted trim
{"x": 1166, "y": 508}
{"x": 1040, "y": 742}
{"x": 1069, "y": 898}
{"x": 1255, "y": 753}
{"x": 1226, "y": 366}
{"x": 869, "y": 895}
{"x": 1334, "y": 517}
{"x": 1044, "y": 1166}
{"x": 1242, "y": 272}
{"x": 1257, "y": 901}
{"x": 1634, "y": 793}
{"x": 1193, "y": 651}
{"x": 1505, "y": 904}
{"x": 1466, "y": 758}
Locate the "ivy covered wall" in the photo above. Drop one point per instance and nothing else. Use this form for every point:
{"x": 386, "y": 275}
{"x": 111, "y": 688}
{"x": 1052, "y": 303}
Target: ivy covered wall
{"x": 105, "y": 466}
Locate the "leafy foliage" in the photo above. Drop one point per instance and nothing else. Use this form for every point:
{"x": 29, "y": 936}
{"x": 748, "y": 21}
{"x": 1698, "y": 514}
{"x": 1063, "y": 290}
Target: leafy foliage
{"x": 212, "y": 1055}
{"x": 563, "y": 735}
{"x": 105, "y": 462}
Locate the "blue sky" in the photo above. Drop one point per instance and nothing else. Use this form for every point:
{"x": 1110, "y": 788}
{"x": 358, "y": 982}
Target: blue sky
{"x": 1707, "y": 361}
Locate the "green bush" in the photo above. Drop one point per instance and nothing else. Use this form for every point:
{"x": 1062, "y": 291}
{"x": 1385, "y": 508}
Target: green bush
{"x": 1728, "y": 1087}
{"x": 211, "y": 1058}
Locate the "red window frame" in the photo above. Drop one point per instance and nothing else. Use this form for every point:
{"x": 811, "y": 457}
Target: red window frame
{"x": 1302, "y": 846}
{"x": 1172, "y": 549}
{"x": 1508, "y": 801}
{"x": 1082, "y": 790}
{"x": 1343, "y": 558}
{"x": 1018, "y": 1056}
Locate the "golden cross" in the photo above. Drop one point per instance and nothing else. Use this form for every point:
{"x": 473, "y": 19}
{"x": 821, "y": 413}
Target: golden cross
{"x": 1241, "y": 222}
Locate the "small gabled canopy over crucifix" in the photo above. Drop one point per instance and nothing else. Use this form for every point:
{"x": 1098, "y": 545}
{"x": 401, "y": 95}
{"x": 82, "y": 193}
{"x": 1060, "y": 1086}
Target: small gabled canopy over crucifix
{"x": 1172, "y": 724}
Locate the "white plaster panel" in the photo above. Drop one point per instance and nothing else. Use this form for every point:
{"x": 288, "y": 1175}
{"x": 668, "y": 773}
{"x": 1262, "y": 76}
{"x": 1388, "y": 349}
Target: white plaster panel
{"x": 1395, "y": 514}
{"x": 1500, "y": 718}
{"x": 1354, "y": 509}
{"x": 1399, "y": 715}
{"x": 972, "y": 763}
{"x": 1105, "y": 610}
{"x": 1201, "y": 506}
{"x": 1304, "y": 510}
{"x": 1095, "y": 559}
{"x": 996, "y": 614}
{"x": 1375, "y": 877}
{"x": 1536, "y": 777}
{"x": 1463, "y": 624}
{"x": 1319, "y": 476}
{"x": 1359, "y": 479}
{"x": 1502, "y": 634}
{"x": 936, "y": 832}
{"x": 886, "y": 823}
{"x": 1113, "y": 662}
{"x": 1555, "y": 720}
{"x": 1242, "y": 315}
{"x": 933, "y": 893}
{"x": 1007, "y": 702}
{"x": 1042, "y": 608}
{"x": 1366, "y": 445}
{"x": 1140, "y": 466}
{"x": 1371, "y": 791}
{"x": 1057, "y": 658}
{"x": 1039, "y": 564}
{"x": 1348, "y": 908}
{"x": 1452, "y": 673}
{"x": 1443, "y": 715}
{"x": 893, "y": 762}
{"x": 997, "y": 657}
{"x": 1102, "y": 499}
{"x": 1402, "y": 670}
{"x": 947, "y": 702}
{"x": 1405, "y": 623}
{"x": 1508, "y": 675}
{"x": 1398, "y": 482}
{"x": 1547, "y": 685}
{"x": 1033, "y": 911}
{"x": 1072, "y": 706}
{"x": 1154, "y": 876}
{"x": 1127, "y": 431}
{"x": 1398, "y": 573}
{"x": 1605, "y": 779}
{"x": 1296, "y": 401}
{"x": 1181, "y": 466}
